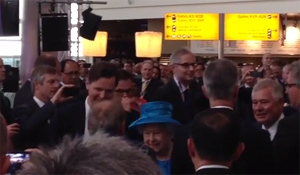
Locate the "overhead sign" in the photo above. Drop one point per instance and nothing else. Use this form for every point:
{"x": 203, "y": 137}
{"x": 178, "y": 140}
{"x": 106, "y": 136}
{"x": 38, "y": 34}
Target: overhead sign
{"x": 264, "y": 27}
{"x": 191, "y": 26}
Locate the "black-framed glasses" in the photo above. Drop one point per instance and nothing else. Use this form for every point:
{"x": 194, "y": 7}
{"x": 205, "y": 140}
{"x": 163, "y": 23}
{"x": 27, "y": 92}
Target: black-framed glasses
{"x": 187, "y": 65}
{"x": 122, "y": 91}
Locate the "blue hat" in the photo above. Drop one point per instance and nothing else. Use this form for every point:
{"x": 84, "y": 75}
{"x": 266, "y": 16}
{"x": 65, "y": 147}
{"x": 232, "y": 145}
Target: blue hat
{"x": 154, "y": 113}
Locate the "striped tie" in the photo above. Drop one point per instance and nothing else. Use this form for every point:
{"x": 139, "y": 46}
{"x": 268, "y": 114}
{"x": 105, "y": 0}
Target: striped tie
{"x": 144, "y": 87}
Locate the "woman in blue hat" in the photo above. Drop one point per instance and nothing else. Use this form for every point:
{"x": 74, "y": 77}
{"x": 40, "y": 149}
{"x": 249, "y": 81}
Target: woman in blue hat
{"x": 157, "y": 126}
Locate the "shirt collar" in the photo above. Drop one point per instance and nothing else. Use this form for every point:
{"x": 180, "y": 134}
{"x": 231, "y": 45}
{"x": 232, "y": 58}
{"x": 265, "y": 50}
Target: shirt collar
{"x": 87, "y": 107}
{"x": 227, "y": 107}
{"x": 212, "y": 166}
{"x": 180, "y": 86}
{"x": 273, "y": 129}
{"x": 87, "y": 113}
{"x": 38, "y": 101}
{"x": 143, "y": 80}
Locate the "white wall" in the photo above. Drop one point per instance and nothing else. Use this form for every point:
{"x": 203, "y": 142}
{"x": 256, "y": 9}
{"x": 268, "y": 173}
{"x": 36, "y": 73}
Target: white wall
{"x": 149, "y": 9}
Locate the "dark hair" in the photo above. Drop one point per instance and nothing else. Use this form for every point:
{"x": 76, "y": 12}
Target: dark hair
{"x": 48, "y": 60}
{"x": 125, "y": 75}
{"x": 201, "y": 64}
{"x": 277, "y": 62}
{"x": 159, "y": 72}
{"x": 38, "y": 74}
{"x": 103, "y": 70}
{"x": 81, "y": 61}
{"x": 215, "y": 135}
{"x": 64, "y": 62}
{"x": 129, "y": 62}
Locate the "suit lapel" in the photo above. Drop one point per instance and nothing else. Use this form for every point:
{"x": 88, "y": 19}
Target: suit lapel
{"x": 176, "y": 90}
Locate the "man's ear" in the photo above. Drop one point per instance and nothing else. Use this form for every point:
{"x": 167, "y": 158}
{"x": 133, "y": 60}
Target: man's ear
{"x": 204, "y": 91}
{"x": 240, "y": 149}
{"x": 191, "y": 148}
{"x": 87, "y": 84}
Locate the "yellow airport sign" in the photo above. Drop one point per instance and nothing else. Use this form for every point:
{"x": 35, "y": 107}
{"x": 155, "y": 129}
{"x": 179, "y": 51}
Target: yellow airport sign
{"x": 264, "y": 27}
{"x": 191, "y": 26}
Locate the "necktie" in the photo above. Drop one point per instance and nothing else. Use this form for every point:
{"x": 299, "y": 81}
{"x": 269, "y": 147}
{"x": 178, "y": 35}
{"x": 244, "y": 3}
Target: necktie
{"x": 144, "y": 87}
{"x": 188, "y": 103}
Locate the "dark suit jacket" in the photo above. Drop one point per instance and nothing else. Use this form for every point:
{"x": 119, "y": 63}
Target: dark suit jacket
{"x": 70, "y": 120}
{"x": 170, "y": 93}
{"x": 152, "y": 87}
{"x": 34, "y": 124}
{"x": 258, "y": 150}
{"x": 286, "y": 145}
{"x": 214, "y": 171}
{"x": 23, "y": 95}
{"x": 5, "y": 109}
{"x": 244, "y": 104}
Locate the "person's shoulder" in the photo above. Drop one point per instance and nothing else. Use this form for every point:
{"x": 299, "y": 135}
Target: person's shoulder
{"x": 292, "y": 120}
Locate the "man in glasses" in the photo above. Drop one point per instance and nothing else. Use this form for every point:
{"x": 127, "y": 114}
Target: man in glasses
{"x": 293, "y": 85}
{"x": 184, "y": 95}
{"x": 125, "y": 91}
{"x": 69, "y": 72}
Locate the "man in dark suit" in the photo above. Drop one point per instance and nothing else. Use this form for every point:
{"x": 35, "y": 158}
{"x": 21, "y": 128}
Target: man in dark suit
{"x": 293, "y": 85}
{"x": 286, "y": 148}
{"x": 147, "y": 85}
{"x": 25, "y": 92}
{"x": 214, "y": 142}
{"x": 185, "y": 96}
{"x": 221, "y": 87}
{"x": 268, "y": 103}
{"x": 5, "y": 109}
{"x": 244, "y": 102}
{"x": 34, "y": 116}
{"x": 72, "y": 119}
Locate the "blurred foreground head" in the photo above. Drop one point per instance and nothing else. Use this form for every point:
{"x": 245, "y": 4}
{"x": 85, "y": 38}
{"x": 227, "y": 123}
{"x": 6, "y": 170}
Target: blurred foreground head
{"x": 100, "y": 154}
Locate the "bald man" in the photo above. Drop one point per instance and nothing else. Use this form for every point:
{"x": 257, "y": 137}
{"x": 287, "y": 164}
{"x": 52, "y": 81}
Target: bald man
{"x": 266, "y": 61}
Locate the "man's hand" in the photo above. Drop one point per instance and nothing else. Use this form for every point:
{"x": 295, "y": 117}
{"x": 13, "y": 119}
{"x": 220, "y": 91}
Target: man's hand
{"x": 126, "y": 102}
{"x": 58, "y": 97}
{"x": 13, "y": 129}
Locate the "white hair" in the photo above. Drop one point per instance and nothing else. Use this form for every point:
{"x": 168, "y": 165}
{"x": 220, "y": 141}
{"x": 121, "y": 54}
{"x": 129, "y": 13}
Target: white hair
{"x": 98, "y": 155}
{"x": 221, "y": 79}
{"x": 177, "y": 54}
{"x": 277, "y": 89}
{"x": 295, "y": 72}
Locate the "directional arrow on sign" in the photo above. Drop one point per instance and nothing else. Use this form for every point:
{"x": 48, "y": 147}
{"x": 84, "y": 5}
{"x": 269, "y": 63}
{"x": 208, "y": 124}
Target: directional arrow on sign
{"x": 168, "y": 16}
{"x": 169, "y": 26}
{"x": 168, "y": 36}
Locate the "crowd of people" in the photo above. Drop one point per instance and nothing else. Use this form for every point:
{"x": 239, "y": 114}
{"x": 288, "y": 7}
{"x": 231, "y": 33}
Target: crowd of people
{"x": 187, "y": 117}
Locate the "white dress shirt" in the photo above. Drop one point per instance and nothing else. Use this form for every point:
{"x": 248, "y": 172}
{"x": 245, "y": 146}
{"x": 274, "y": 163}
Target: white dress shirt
{"x": 222, "y": 107}
{"x": 38, "y": 101}
{"x": 87, "y": 113}
{"x": 273, "y": 129}
{"x": 182, "y": 88}
{"x": 212, "y": 166}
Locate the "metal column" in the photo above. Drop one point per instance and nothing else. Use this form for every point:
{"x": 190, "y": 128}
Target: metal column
{"x": 29, "y": 38}
{"x": 221, "y": 37}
